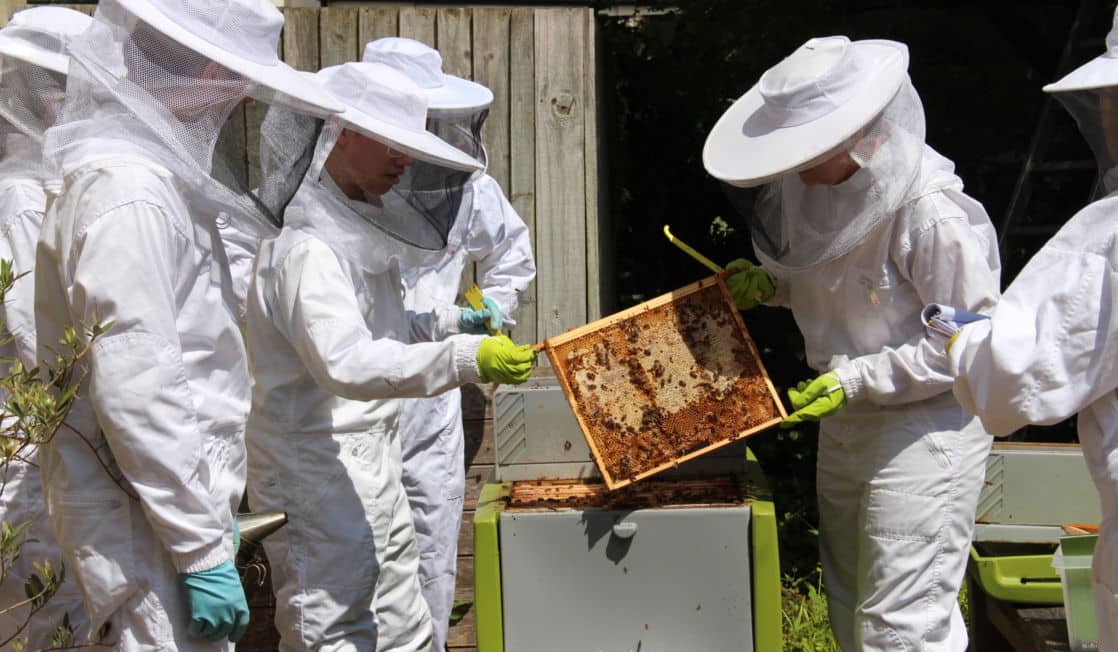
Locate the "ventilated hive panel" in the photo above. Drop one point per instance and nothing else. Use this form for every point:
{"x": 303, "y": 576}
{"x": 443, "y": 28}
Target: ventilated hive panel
{"x": 664, "y": 381}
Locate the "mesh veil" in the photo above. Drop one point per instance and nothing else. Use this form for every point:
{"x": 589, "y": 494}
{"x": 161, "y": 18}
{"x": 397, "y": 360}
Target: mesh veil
{"x": 30, "y": 97}
{"x": 797, "y": 226}
{"x": 374, "y": 234}
{"x": 136, "y": 92}
{"x": 432, "y": 191}
{"x": 1096, "y": 112}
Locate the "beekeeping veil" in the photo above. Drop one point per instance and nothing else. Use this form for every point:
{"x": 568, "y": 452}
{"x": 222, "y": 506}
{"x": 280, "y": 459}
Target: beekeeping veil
{"x": 456, "y": 107}
{"x": 1090, "y": 94}
{"x": 405, "y": 225}
{"x": 158, "y": 79}
{"x": 33, "y": 65}
{"x": 829, "y": 97}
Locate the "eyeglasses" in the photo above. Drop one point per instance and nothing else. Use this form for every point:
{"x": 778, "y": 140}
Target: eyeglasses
{"x": 394, "y": 153}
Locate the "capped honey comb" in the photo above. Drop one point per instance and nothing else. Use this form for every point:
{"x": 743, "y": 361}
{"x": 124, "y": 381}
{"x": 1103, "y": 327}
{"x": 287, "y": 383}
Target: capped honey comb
{"x": 664, "y": 381}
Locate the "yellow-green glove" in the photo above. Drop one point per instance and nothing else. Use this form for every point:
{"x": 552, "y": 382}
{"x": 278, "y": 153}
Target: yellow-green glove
{"x": 815, "y": 400}
{"x": 500, "y": 360}
{"x": 749, "y": 285}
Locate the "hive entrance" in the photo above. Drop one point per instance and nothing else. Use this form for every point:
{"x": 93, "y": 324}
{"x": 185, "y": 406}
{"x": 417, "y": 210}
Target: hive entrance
{"x": 664, "y": 381}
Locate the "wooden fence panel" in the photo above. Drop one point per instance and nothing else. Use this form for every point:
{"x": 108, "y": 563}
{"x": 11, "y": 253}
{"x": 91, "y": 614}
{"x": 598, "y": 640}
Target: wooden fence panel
{"x": 338, "y": 36}
{"x": 418, "y": 23}
{"x": 522, "y": 155}
{"x": 560, "y": 130}
{"x": 377, "y": 22}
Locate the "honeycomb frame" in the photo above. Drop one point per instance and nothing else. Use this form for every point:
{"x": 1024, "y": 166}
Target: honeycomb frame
{"x": 638, "y": 381}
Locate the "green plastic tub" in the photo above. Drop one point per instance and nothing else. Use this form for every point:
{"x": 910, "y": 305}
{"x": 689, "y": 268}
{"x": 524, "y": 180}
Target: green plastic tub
{"x": 1017, "y": 573}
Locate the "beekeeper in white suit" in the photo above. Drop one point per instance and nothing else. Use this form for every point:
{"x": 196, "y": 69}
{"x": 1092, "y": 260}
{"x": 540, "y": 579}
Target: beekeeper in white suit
{"x": 1050, "y": 348}
{"x": 142, "y": 489}
{"x": 33, "y": 65}
{"x": 331, "y": 351}
{"x": 489, "y": 232}
{"x": 860, "y": 223}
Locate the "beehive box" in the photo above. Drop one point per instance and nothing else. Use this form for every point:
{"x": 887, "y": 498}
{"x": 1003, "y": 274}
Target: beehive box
{"x": 664, "y": 381}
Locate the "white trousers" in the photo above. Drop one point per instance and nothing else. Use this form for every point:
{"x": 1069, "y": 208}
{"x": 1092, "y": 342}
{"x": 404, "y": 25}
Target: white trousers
{"x": 897, "y": 495}
{"x": 345, "y": 566}
{"x": 21, "y": 501}
{"x": 433, "y": 441}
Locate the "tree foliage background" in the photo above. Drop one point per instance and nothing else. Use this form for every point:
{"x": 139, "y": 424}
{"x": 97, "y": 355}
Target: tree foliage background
{"x": 666, "y": 79}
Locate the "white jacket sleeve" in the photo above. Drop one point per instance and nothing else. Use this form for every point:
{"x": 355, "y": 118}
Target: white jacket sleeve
{"x": 125, "y": 273}
{"x": 1050, "y": 347}
{"x": 947, "y": 262}
{"x": 313, "y": 302}
{"x": 499, "y": 241}
{"x": 20, "y": 235}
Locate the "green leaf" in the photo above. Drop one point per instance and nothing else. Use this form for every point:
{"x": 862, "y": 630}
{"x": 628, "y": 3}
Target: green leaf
{"x": 459, "y": 610}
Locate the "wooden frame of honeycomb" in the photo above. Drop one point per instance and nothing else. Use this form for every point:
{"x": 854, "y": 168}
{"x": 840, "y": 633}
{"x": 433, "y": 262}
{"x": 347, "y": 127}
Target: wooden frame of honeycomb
{"x": 664, "y": 381}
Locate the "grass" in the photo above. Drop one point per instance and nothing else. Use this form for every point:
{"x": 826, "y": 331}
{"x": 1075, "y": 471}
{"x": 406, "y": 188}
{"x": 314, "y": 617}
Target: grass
{"x": 806, "y": 626}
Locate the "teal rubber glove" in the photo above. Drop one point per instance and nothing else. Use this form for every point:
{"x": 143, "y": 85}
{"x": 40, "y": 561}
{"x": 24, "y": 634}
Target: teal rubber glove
{"x": 500, "y": 360}
{"x": 481, "y": 321}
{"x": 815, "y": 400}
{"x": 218, "y": 609}
{"x": 749, "y": 285}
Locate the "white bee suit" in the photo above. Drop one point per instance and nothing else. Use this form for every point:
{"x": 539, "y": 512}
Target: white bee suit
{"x": 32, "y": 88}
{"x": 1049, "y": 351}
{"x": 143, "y": 486}
{"x": 332, "y": 360}
{"x": 490, "y": 232}
{"x": 900, "y": 466}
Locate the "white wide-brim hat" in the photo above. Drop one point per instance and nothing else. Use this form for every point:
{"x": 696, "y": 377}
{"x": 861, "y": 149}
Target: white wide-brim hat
{"x": 803, "y": 108}
{"x": 446, "y": 94}
{"x": 241, "y": 35}
{"x": 39, "y": 35}
{"x": 1100, "y": 72}
{"x": 383, "y": 104}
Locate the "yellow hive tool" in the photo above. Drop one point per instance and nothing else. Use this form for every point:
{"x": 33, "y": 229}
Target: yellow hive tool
{"x": 717, "y": 269}
{"x": 474, "y": 297}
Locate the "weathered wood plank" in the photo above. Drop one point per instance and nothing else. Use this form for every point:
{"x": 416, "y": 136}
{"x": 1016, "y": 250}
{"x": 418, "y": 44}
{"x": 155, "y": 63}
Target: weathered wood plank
{"x": 479, "y": 442}
{"x": 491, "y": 68}
{"x": 463, "y": 633}
{"x": 466, "y": 534}
{"x": 377, "y": 22}
{"x": 476, "y": 476}
{"x": 338, "y": 36}
{"x": 418, "y": 23}
{"x": 452, "y": 36}
{"x": 560, "y": 160}
{"x": 590, "y": 124}
{"x": 300, "y": 38}
{"x": 521, "y": 186}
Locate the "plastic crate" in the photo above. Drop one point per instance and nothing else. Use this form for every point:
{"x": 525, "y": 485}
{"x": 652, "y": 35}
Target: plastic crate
{"x": 1073, "y": 562}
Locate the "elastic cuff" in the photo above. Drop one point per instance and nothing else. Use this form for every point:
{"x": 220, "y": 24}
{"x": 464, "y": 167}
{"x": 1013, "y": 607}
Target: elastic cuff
{"x": 465, "y": 357}
{"x": 447, "y": 318}
{"x": 205, "y": 559}
{"x": 851, "y": 381}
